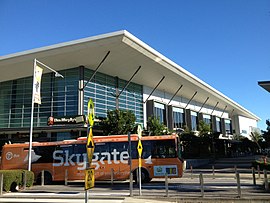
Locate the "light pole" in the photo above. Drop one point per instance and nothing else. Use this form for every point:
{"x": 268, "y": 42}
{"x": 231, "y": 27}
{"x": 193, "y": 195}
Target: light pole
{"x": 35, "y": 84}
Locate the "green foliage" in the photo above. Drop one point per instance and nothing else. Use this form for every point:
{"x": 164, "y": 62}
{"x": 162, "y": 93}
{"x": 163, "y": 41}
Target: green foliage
{"x": 16, "y": 177}
{"x": 204, "y": 129}
{"x": 119, "y": 122}
{"x": 261, "y": 164}
{"x": 266, "y": 134}
{"x": 154, "y": 127}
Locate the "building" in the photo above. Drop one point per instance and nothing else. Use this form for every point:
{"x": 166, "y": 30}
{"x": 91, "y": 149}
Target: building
{"x": 265, "y": 85}
{"x": 116, "y": 70}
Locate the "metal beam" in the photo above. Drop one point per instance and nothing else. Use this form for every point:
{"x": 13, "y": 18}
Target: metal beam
{"x": 203, "y": 104}
{"x": 223, "y": 111}
{"x": 214, "y": 108}
{"x": 231, "y": 113}
{"x": 191, "y": 99}
{"x": 175, "y": 94}
{"x": 99, "y": 65}
{"x": 154, "y": 89}
{"x": 129, "y": 81}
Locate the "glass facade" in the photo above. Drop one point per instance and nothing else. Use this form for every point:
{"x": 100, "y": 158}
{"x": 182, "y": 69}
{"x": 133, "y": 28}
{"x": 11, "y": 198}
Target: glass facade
{"x": 218, "y": 124}
{"x": 207, "y": 119}
{"x": 59, "y": 97}
{"x": 194, "y": 121}
{"x": 102, "y": 89}
{"x": 159, "y": 112}
{"x": 228, "y": 127}
{"x": 178, "y": 117}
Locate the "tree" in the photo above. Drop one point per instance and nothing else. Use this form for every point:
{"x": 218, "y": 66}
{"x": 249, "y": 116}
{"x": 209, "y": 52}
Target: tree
{"x": 266, "y": 134}
{"x": 119, "y": 122}
{"x": 204, "y": 129}
{"x": 155, "y": 127}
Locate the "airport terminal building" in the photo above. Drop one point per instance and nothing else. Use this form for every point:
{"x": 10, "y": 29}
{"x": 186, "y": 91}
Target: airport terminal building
{"x": 116, "y": 70}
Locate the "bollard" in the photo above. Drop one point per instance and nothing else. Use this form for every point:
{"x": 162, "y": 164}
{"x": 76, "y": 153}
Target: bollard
{"x": 259, "y": 171}
{"x": 191, "y": 171}
{"x": 66, "y": 177}
{"x": 213, "y": 168}
{"x": 266, "y": 184}
{"x": 1, "y": 183}
{"x": 201, "y": 184}
{"x": 86, "y": 196}
{"x": 253, "y": 176}
{"x": 131, "y": 185}
{"x": 42, "y": 178}
{"x": 112, "y": 173}
{"x": 166, "y": 185}
{"x": 24, "y": 180}
{"x": 235, "y": 170}
{"x": 238, "y": 185}
{"x": 137, "y": 176}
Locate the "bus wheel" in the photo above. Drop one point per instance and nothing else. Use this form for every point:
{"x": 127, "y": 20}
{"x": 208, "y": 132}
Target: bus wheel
{"x": 144, "y": 175}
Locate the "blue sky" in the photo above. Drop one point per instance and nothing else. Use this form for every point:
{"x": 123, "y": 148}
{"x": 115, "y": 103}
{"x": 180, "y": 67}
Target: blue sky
{"x": 226, "y": 43}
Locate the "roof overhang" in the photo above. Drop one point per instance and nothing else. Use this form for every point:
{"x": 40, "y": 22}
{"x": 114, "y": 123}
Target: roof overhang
{"x": 127, "y": 53}
{"x": 265, "y": 85}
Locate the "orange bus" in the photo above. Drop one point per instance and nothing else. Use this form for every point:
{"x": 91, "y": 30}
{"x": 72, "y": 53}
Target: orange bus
{"x": 161, "y": 155}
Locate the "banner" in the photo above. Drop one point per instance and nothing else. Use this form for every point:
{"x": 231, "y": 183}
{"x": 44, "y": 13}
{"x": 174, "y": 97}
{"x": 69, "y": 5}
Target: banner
{"x": 37, "y": 84}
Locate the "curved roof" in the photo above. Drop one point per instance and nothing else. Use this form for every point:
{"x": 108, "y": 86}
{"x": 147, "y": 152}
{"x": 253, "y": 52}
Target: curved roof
{"x": 127, "y": 53}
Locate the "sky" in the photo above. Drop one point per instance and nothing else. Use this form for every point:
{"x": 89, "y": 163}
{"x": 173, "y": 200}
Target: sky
{"x": 225, "y": 43}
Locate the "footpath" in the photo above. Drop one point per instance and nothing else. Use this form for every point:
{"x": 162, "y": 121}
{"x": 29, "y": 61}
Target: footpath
{"x": 220, "y": 186}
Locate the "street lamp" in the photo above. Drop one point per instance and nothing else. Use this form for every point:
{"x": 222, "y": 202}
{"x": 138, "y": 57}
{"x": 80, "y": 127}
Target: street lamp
{"x": 36, "y": 84}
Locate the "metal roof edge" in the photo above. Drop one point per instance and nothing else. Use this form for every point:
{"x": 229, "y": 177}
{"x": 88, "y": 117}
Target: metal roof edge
{"x": 62, "y": 44}
{"x": 181, "y": 69}
{"x": 136, "y": 40}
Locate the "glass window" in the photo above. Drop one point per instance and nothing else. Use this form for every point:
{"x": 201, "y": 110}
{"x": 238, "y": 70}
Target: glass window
{"x": 164, "y": 149}
{"x": 228, "y": 127}
{"x": 16, "y": 99}
{"x": 178, "y": 117}
{"x": 102, "y": 89}
{"x": 43, "y": 154}
{"x": 194, "y": 121}
{"x": 218, "y": 124}
{"x": 207, "y": 120}
{"x": 159, "y": 112}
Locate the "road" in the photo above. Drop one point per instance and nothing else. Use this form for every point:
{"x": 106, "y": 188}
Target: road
{"x": 32, "y": 200}
{"x": 220, "y": 185}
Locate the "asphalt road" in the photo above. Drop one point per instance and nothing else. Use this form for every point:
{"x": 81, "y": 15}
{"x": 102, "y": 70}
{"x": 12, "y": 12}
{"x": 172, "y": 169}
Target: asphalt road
{"x": 220, "y": 186}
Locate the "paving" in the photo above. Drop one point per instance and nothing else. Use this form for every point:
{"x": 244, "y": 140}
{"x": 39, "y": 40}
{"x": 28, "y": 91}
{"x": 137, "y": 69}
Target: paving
{"x": 219, "y": 186}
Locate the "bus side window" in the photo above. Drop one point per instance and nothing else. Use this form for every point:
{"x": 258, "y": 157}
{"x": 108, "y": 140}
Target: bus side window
{"x": 43, "y": 154}
{"x": 147, "y": 149}
{"x": 164, "y": 149}
{"x": 134, "y": 150}
{"x": 79, "y": 149}
{"x": 67, "y": 150}
{"x": 101, "y": 148}
{"x": 119, "y": 147}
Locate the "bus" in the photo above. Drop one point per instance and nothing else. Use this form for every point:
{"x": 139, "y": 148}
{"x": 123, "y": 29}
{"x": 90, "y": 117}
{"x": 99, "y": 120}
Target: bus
{"x": 161, "y": 155}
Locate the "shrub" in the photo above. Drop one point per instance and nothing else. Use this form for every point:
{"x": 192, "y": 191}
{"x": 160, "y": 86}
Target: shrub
{"x": 261, "y": 164}
{"x": 13, "y": 178}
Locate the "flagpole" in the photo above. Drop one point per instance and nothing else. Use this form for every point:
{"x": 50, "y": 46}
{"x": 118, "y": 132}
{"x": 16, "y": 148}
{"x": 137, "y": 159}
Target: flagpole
{"x": 31, "y": 122}
{"x": 36, "y": 100}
